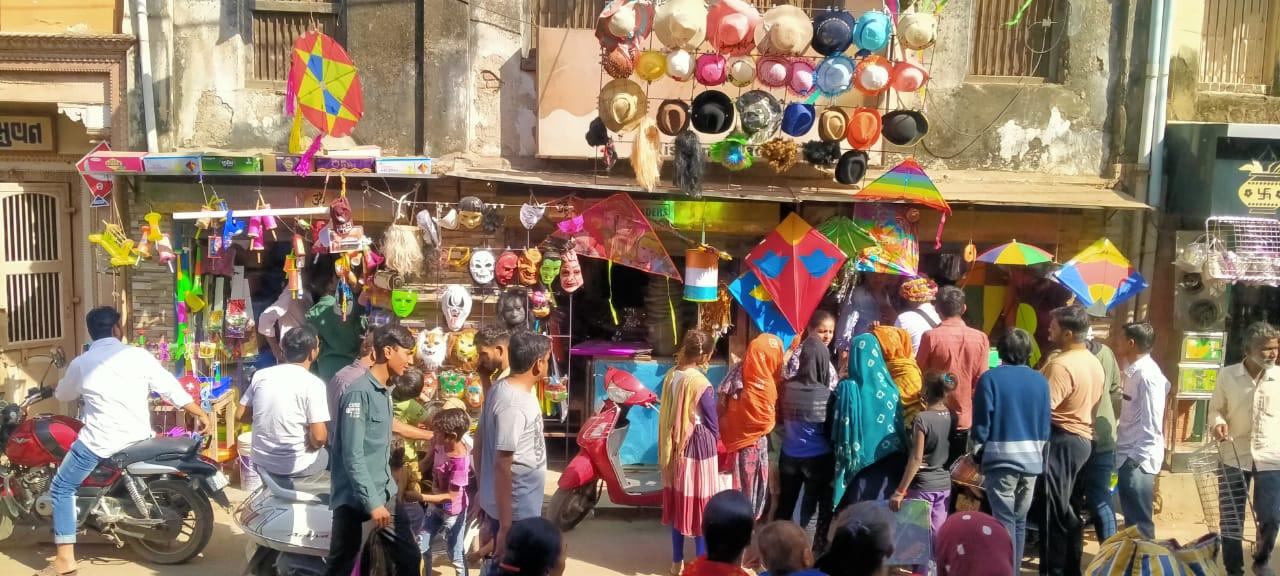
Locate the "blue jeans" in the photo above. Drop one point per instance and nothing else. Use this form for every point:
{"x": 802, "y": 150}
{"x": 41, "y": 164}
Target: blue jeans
{"x": 1009, "y": 494}
{"x": 1266, "y": 510}
{"x": 1137, "y": 497}
{"x": 1094, "y": 485}
{"x": 75, "y": 467}
{"x": 452, "y": 525}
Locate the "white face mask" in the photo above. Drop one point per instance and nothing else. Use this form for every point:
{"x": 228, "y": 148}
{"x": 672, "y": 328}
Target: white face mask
{"x": 482, "y": 266}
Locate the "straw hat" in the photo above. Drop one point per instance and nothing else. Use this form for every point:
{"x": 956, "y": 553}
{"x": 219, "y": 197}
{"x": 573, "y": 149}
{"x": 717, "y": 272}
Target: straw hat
{"x": 773, "y": 71}
{"x": 681, "y": 24}
{"x": 872, "y": 75}
{"x": 731, "y": 27}
{"x": 673, "y": 117}
{"x": 917, "y": 30}
{"x": 785, "y": 29}
{"x": 832, "y": 124}
{"x": 622, "y": 105}
{"x": 680, "y": 65}
{"x": 711, "y": 69}
{"x": 624, "y": 22}
{"x": 742, "y": 70}
{"x": 908, "y": 76}
{"x": 864, "y": 128}
{"x": 803, "y": 77}
{"x": 832, "y": 31}
{"x": 618, "y": 62}
{"x": 651, "y": 65}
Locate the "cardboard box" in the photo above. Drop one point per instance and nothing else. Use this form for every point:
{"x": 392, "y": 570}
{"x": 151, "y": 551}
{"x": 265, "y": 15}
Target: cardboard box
{"x": 180, "y": 164}
{"x": 113, "y": 162}
{"x": 417, "y": 165}
{"x": 328, "y": 164}
{"x": 213, "y": 164}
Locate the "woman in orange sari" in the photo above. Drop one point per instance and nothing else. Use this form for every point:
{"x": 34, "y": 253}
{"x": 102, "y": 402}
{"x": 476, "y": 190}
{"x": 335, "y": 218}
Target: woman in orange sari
{"x": 896, "y": 345}
{"x": 747, "y": 418}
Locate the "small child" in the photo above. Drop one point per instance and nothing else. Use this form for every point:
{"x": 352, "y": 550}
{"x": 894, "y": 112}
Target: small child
{"x": 784, "y": 549}
{"x": 451, "y": 464}
{"x": 926, "y": 476}
{"x": 727, "y": 522}
{"x": 406, "y": 388}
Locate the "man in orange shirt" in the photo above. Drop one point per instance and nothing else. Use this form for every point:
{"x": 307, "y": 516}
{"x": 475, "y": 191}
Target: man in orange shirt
{"x": 956, "y": 348}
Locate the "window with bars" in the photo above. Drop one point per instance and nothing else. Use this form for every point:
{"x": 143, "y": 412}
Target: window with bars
{"x": 1235, "y": 45}
{"x": 276, "y": 25}
{"x": 1026, "y": 50}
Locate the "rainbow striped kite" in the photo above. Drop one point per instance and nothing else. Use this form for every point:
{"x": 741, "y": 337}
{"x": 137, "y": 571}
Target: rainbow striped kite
{"x": 907, "y": 182}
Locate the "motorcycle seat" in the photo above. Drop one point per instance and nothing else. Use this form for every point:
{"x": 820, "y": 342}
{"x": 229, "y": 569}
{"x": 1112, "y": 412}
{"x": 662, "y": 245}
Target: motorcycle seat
{"x": 298, "y": 489}
{"x": 153, "y": 448}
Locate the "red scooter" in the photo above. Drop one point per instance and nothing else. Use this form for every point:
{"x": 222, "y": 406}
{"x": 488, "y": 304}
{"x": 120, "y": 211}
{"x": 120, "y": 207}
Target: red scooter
{"x": 599, "y": 439}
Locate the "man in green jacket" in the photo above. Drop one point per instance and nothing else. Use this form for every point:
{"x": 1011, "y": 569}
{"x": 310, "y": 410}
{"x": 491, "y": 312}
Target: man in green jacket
{"x": 364, "y": 494}
{"x": 1094, "y": 484}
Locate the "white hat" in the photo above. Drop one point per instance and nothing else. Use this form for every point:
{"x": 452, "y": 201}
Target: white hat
{"x": 680, "y": 65}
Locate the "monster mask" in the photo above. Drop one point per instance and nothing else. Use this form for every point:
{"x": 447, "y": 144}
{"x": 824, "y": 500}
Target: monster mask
{"x": 570, "y": 272}
{"x": 463, "y": 354}
{"x": 528, "y": 268}
{"x": 431, "y": 348}
{"x": 452, "y": 384}
{"x": 551, "y": 264}
{"x": 455, "y": 302}
{"x": 470, "y": 212}
{"x": 540, "y": 303}
{"x": 482, "y": 267}
{"x": 473, "y": 395}
{"x": 403, "y": 302}
{"x": 505, "y": 270}
{"x": 513, "y": 308}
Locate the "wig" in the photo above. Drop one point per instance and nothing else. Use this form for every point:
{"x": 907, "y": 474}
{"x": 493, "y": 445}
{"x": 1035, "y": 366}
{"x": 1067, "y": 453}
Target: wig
{"x": 403, "y": 249}
{"x": 690, "y": 163}
{"x": 821, "y": 153}
{"x": 645, "y": 160}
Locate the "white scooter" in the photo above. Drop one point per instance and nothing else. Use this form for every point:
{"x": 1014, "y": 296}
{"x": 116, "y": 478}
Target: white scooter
{"x": 288, "y": 522}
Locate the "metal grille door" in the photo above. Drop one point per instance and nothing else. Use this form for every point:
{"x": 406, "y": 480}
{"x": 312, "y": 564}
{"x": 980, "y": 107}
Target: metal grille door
{"x": 35, "y": 265}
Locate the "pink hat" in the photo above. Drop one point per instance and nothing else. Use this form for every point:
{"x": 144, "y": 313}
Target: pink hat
{"x": 731, "y": 27}
{"x": 773, "y": 71}
{"x": 710, "y": 70}
{"x": 801, "y": 82}
{"x": 908, "y": 77}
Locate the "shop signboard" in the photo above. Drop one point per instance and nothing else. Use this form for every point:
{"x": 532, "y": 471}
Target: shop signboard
{"x": 1246, "y": 179}
{"x": 739, "y": 218}
{"x": 25, "y": 133}
{"x": 1204, "y": 348}
{"x": 1197, "y": 380}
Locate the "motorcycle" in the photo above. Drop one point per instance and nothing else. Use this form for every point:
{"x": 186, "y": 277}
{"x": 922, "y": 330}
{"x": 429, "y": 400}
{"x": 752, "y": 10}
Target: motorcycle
{"x": 288, "y": 523}
{"x": 578, "y": 490}
{"x": 154, "y": 495}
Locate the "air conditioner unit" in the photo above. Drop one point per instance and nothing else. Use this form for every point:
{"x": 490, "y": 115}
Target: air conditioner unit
{"x": 1200, "y": 304}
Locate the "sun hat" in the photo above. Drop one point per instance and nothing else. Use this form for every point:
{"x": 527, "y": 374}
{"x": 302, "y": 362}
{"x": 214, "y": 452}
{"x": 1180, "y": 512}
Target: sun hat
{"x": 834, "y": 75}
{"x": 917, "y": 30}
{"x": 905, "y": 127}
{"x": 617, "y": 62}
{"x": 681, "y": 24}
{"x": 711, "y": 69}
{"x": 832, "y": 31}
{"x": 680, "y": 65}
{"x": 798, "y": 119}
{"x": 908, "y": 76}
{"x": 651, "y": 65}
{"x": 742, "y": 70}
{"x": 851, "y": 167}
{"x": 785, "y": 29}
{"x": 731, "y": 27}
{"x": 864, "y": 128}
{"x": 872, "y": 31}
{"x": 622, "y": 105}
{"x": 832, "y": 124}
{"x": 711, "y": 112}
{"x": 872, "y": 75}
{"x": 673, "y": 117}
{"x": 624, "y": 22}
{"x": 759, "y": 115}
{"x": 801, "y": 82}
{"x": 773, "y": 71}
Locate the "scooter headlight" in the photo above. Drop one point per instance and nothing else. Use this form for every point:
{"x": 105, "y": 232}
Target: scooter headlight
{"x": 617, "y": 394}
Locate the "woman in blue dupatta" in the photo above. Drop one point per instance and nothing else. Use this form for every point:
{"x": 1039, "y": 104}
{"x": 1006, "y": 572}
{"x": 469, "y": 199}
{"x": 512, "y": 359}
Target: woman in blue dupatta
{"x": 864, "y": 424}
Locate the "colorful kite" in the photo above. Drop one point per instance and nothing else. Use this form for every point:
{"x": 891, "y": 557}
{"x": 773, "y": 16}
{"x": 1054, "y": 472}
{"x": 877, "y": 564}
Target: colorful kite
{"x": 324, "y": 88}
{"x": 758, "y": 305}
{"x": 907, "y": 182}
{"x": 851, "y": 238}
{"x": 897, "y": 252}
{"x": 1015, "y": 254}
{"x": 796, "y": 264}
{"x": 615, "y": 229}
{"x": 1101, "y": 277}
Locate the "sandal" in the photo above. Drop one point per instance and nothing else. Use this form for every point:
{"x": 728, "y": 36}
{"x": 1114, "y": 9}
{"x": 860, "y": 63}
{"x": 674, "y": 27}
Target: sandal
{"x": 51, "y": 571}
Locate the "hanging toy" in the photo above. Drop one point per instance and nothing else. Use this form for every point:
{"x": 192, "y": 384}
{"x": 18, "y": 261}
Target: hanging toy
{"x": 470, "y": 212}
{"x": 482, "y": 267}
{"x": 452, "y": 384}
{"x": 294, "y": 276}
{"x": 701, "y": 274}
{"x": 732, "y": 153}
{"x": 254, "y": 232}
{"x": 455, "y": 303}
{"x": 113, "y": 241}
{"x": 143, "y": 247}
{"x": 570, "y": 272}
{"x": 153, "y": 222}
{"x": 230, "y": 229}
{"x": 215, "y": 204}
{"x": 431, "y": 348}
{"x": 540, "y": 303}
{"x": 164, "y": 252}
{"x": 403, "y": 302}
{"x": 473, "y": 395}
{"x": 427, "y": 224}
{"x": 323, "y": 87}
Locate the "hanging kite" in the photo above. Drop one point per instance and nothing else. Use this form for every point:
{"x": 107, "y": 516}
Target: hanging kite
{"x": 796, "y": 264}
{"x": 758, "y": 304}
{"x": 615, "y": 229}
{"x": 1101, "y": 277}
{"x": 324, "y": 88}
{"x": 897, "y": 251}
{"x": 907, "y": 182}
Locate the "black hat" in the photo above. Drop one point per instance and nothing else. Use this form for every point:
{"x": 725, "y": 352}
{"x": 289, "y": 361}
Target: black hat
{"x": 851, "y": 167}
{"x": 832, "y": 31}
{"x": 597, "y": 134}
{"x": 712, "y": 112}
{"x": 904, "y": 127}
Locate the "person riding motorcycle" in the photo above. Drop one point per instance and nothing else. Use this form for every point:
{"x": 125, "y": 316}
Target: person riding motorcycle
{"x": 290, "y": 411}
{"x": 115, "y": 381}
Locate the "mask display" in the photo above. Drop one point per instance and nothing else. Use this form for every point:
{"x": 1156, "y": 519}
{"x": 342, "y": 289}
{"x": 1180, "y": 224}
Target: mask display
{"x": 505, "y": 269}
{"x": 550, "y": 269}
{"x": 340, "y": 215}
{"x": 570, "y": 272}
{"x": 463, "y": 352}
{"x": 555, "y": 389}
{"x": 431, "y": 348}
{"x": 430, "y": 234}
{"x": 513, "y": 308}
{"x": 473, "y": 395}
{"x": 457, "y": 257}
{"x": 470, "y": 212}
{"x": 452, "y": 384}
{"x": 449, "y": 221}
{"x": 455, "y": 302}
{"x": 482, "y": 266}
{"x": 530, "y": 259}
{"x": 530, "y": 214}
{"x": 403, "y": 302}
{"x": 494, "y": 219}
{"x": 540, "y": 303}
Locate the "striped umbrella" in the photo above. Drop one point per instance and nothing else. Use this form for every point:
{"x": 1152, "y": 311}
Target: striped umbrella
{"x": 1015, "y": 254}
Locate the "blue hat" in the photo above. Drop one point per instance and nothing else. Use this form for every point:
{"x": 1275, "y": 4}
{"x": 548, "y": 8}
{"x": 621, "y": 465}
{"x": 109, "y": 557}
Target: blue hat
{"x": 832, "y": 31}
{"x": 797, "y": 119}
{"x": 872, "y": 31}
{"x": 835, "y": 75}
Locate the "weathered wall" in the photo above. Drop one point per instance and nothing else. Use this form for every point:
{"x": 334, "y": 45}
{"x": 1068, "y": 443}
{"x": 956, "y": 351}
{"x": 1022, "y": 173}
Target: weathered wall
{"x": 1189, "y": 101}
{"x": 447, "y": 75}
{"x": 503, "y": 111}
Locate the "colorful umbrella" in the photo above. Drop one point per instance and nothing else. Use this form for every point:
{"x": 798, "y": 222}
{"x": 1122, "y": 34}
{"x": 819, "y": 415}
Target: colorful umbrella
{"x": 1101, "y": 277}
{"x": 1015, "y": 254}
{"x": 324, "y": 88}
{"x": 851, "y": 238}
{"x": 796, "y": 264}
{"x": 907, "y": 182}
{"x": 896, "y": 251}
{"x": 759, "y": 306}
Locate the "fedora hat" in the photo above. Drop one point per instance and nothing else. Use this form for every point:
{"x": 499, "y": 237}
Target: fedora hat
{"x": 673, "y": 117}
{"x": 624, "y": 22}
{"x": 681, "y": 24}
{"x": 834, "y": 75}
{"x": 731, "y": 27}
{"x": 651, "y": 65}
{"x": 617, "y": 62}
{"x": 798, "y": 119}
{"x": 773, "y": 71}
{"x": 711, "y": 69}
{"x": 864, "y": 128}
{"x": 622, "y": 105}
{"x": 711, "y": 112}
{"x": 742, "y": 71}
{"x": 801, "y": 82}
{"x": 917, "y": 30}
{"x": 832, "y": 31}
{"x": 872, "y": 75}
{"x": 832, "y": 124}
{"x": 905, "y": 127}
{"x": 851, "y": 167}
{"x": 759, "y": 115}
{"x": 908, "y": 76}
{"x": 872, "y": 31}
{"x": 785, "y": 29}
{"x": 680, "y": 65}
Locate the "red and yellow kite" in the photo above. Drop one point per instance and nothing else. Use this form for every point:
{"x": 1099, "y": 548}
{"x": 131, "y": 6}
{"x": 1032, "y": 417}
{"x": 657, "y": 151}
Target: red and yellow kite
{"x": 324, "y": 88}
{"x": 796, "y": 264}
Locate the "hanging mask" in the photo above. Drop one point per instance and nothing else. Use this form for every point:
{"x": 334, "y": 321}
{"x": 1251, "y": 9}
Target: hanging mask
{"x": 340, "y": 215}
{"x": 449, "y": 221}
{"x": 452, "y": 384}
{"x": 513, "y": 308}
{"x": 505, "y": 269}
{"x": 550, "y": 269}
{"x": 379, "y": 318}
{"x": 403, "y": 302}
{"x": 530, "y": 214}
{"x": 473, "y": 396}
{"x": 431, "y": 348}
{"x": 430, "y": 387}
{"x": 456, "y": 305}
{"x": 470, "y": 211}
{"x": 482, "y": 266}
{"x": 463, "y": 353}
{"x": 430, "y": 234}
{"x": 457, "y": 257}
{"x": 493, "y": 219}
{"x": 528, "y": 268}
{"x": 540, "y": 303}
{"x": 570, "y": 272}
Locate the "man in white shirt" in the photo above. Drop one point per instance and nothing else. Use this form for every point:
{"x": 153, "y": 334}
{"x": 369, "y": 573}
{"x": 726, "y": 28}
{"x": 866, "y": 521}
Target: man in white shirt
{"x": 115, "y": 381}
{"x": 920, "y": 316}
{"x": 1140, "y": 435}
{"x": 283, "y": 315}
{"x": 1243, "y": 411}
{"x": 290, "y": 410}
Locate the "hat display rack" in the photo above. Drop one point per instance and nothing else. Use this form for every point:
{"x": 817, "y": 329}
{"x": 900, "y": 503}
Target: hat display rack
{"x": 765, "y": 85}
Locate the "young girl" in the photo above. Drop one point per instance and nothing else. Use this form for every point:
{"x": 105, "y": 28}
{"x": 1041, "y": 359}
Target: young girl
{"x": 926, "y": 476}
{"x": 687, "y": 445}
{"x": 450, "y": 472}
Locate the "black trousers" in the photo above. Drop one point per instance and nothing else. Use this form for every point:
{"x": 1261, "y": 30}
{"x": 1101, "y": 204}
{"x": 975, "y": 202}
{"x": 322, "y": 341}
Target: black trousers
{"x": 957, "y": 444}
{"x": 346, "y": 540}
{"x": 1062, "y": 543}
{"x": 814, "y": 475}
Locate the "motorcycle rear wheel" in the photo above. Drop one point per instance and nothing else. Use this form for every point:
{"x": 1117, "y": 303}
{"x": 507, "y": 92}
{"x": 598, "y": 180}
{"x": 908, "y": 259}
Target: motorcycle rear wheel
{"x": 569, "y": 507}
{"x": 194, "y": 516}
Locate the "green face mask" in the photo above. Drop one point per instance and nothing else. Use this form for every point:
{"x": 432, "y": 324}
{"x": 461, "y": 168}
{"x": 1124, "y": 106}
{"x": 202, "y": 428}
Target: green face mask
{"x": 550, "y": 270}
{"x": 403, "y": 302}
